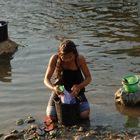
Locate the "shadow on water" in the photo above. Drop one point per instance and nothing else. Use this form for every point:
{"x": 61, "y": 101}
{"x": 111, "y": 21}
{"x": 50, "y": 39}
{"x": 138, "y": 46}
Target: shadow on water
{"x": 5, "y": 68}
{"x": 131, "y": 114}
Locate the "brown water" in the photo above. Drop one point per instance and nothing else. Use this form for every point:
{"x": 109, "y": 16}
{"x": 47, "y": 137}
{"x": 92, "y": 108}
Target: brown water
{"x": 106, "y": 32}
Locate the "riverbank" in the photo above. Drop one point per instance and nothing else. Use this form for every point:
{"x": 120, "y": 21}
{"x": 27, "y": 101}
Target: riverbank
{"x": 31, "y": 129}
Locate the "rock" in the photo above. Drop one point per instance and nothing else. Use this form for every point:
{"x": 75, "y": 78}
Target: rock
{"x": 36, "y": 131}
{"x": 11, "y": 137}
{"x": 53, "y": 133}
{"x": 8, "y": 48}
{"x": 30, "y": 119}
{"x": 1, "y": 135}
{"x": 88, "y": 134}
{"x": 137, "y": 137}
{"x": 81, "y": 129}
{"x": 34, "y": 127}
{"x": 127, "y": 99}
{"x": 78, "y": 138}
{"x": 40, "y": 132}
{"x": 14, "y": 131}
{"x": 20, "y": 122}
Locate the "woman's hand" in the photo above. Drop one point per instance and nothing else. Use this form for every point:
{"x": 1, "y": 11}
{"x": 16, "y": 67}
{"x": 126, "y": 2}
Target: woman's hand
{"x": 57, "y": 90}
{"x": 75, "y": 90}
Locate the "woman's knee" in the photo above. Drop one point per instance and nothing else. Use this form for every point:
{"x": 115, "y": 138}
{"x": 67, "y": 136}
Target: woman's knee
{"x": 85, "y": 114}
{"x": 51, "y": 111}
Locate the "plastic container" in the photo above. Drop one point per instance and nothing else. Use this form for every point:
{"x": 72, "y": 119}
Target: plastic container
{"x": 61, "y": 88}
{"x": 130, "y": 83}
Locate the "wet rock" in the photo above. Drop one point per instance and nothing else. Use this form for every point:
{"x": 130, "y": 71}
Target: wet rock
{"x": 137, "y": 137}
{"x": 20, "y": 122}
{"x": 53, "y": 133}
{"x": 33, "y": 127}
{"x": 81, "y": 129}
{"x": 30, "y": 119}
{"x": 14, "y": 131}
{"x": 127, "y": 99}
{"x": 11, "y": 137}
{"x": 40, "y": 132}
{"x": 7, "y": 48}
{"x": 78, "y": 138}
{"x": 88, "y": 134}
{"x": 1, "y": 135}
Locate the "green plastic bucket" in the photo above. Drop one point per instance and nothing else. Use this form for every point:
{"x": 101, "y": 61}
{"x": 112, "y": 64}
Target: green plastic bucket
{"x": 130, "y": 83}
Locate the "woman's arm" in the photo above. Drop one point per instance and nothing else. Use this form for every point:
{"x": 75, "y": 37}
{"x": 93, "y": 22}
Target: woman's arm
{"x": 86, "y": 72}
{"x": 49, "y": 72}
{"x": 87, "y": 76}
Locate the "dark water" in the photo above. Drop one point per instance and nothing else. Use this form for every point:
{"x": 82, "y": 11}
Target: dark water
{"x": 106, "y": 32}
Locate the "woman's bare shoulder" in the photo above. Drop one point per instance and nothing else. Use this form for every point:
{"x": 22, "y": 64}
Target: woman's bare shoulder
{"x": 54, "y": 57}
{"x": 81, "y": 60}
{"x": 81, "y": 57}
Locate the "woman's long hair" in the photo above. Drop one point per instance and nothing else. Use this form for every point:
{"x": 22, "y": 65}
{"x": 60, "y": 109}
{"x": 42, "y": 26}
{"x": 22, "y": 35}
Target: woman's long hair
{"x": 65, "y": 47}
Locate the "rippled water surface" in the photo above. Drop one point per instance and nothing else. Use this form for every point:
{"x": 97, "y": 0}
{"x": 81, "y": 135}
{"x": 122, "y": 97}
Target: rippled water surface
{"x": 106, "y": 32}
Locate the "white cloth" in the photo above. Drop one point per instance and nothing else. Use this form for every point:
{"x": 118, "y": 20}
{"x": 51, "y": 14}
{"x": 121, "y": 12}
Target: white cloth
{"x": 66, "y": 98}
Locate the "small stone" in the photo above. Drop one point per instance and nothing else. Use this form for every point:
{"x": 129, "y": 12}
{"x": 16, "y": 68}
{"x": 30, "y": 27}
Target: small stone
{"x": 33, "y": 127}
{"x": 14, "y": 131}
{"x": 11, "y": 137}
{"x": 53, "y": 133}
{"x": 81, "y": 129}
{"x": 137, "y": 137}
{"x": 74, "y": 126}
{"x": 92, "y": 132}
{"x": 30, "y": 119}
{"x": 78, "y": 138}
{"x": 1, "y": 135}
{"x": 40, "y": 132}
{"x": 20, "y": 122}
{"x": 88, "y": 134}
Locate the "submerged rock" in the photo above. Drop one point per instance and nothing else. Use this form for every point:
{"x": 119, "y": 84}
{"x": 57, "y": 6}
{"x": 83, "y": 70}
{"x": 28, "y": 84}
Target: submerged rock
{"x": 20, "y": 122}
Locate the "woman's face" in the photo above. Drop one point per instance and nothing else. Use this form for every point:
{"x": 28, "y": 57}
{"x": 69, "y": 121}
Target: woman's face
{"x": 68, "y": 57}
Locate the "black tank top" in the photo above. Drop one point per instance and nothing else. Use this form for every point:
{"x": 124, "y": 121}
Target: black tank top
{"x": 71, "y": 77}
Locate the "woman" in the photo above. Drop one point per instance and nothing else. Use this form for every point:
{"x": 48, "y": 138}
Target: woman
{"x": 72, "y": 71}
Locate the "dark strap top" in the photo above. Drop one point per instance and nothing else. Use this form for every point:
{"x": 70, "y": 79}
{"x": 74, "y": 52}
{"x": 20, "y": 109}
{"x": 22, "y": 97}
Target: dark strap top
{"x": 71, "y": 77}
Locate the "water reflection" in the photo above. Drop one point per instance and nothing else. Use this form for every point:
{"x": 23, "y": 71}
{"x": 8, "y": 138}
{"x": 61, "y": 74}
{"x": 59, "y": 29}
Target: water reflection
{"x": 131, "y": 122}
{"x": 5, "y": 70}
{"x": 134, "y": 51}
{"x": 131, "y": 114}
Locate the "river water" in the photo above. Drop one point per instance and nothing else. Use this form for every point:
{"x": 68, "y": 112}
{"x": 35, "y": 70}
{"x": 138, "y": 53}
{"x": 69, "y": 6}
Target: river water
{"x": 106, "y": 32}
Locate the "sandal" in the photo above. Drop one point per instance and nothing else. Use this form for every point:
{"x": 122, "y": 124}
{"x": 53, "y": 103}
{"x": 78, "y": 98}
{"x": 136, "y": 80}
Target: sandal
{"x": 49, "y": 124}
